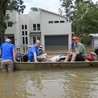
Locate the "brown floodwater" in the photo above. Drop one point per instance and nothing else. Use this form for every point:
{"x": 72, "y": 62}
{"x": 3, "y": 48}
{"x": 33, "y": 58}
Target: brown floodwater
{"x": 66, "y": 83}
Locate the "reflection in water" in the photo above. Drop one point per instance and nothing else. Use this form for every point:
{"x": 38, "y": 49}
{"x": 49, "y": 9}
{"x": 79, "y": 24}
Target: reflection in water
{"x": 66, "y": 83}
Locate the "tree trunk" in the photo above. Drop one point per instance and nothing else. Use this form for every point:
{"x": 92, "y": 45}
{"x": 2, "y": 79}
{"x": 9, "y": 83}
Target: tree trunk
{"x": 2, "y": 26}
{"x": 2, "y": 36}
{"x": 2, "y": 33}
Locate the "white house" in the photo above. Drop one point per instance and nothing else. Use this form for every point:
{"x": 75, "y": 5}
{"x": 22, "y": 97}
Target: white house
{"x": 52, "y": 29}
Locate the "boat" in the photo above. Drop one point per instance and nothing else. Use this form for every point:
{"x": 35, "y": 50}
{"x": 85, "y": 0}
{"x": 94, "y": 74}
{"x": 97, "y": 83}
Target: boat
{"x": 57, "y": 62}
{"x": 54, "y": 65}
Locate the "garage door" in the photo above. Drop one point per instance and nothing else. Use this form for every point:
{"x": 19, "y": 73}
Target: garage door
{"x": 56, "y": 42}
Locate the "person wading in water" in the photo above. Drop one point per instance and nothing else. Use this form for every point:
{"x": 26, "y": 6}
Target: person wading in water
{"x": 7, "y": 52}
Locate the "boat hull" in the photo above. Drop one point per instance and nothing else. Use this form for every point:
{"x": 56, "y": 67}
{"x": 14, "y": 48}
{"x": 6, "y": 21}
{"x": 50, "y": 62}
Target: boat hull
{"x": 31, "y": 66}
{"x": 55, "y": 65}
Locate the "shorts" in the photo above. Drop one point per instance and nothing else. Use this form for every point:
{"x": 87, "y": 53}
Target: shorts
{"x": 40, "y": 58}
{"x": 7, "y": 65}
{"x": 79, "y": 57}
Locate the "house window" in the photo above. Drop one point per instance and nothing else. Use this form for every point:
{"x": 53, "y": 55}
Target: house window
{"x": 25, "y": 32}
{"x": 22, "y": 32}
{"x": 34, "y": 27}
{"x": 62, "y": 21}
{"x": 56, "y": 21}
{"x": 23, "y": 40}
{"x": 50, "y": 21}
{"x": 38, "y": 26}
{"x": 26, "y": 40}
{"x": 10, "y": 24}
{"x": 22, "y": 26}
{"x": 25, "y": 26}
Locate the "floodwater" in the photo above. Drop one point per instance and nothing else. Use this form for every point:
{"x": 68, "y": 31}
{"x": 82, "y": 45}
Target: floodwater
{"x": 59, "y": 83}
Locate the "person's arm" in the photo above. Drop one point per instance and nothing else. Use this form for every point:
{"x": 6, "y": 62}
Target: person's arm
{"x": 0, "y": 52}
{"x": 43, "y": 51}
{"x": 77, "y": 52}
{"x": 14, "y": 55}
{"x": 35, "y": 57}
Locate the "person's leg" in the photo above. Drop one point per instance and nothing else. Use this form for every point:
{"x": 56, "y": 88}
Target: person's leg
{"x": 40, "y": 58}
{"x": 79, "y": 57}
{"x": 45, "y": 57}
{"x": 4, "y": 67}
{"x": 10, "y": 66}
{"x": 67, "y": 58}
{"x": 73, "y": 57}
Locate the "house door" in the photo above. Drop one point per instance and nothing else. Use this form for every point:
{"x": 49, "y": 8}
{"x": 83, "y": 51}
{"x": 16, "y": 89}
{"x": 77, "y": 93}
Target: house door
{"x": 34, "y": 38}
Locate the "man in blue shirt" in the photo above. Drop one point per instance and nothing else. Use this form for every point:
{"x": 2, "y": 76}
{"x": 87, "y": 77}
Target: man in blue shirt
{"x": 34, "y": 53}
{"x": 7, "y": 52}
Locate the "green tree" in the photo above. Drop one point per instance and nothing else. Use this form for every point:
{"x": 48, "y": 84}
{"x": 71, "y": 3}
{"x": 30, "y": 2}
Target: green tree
{"x": 68, "y": 6}
{"x": 85, "y": 17}
{"x": 8, "y": 5}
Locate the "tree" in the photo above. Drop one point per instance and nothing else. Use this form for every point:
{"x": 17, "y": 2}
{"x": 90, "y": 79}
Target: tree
{"x": 85, "y": 17}
{"x": 8, "y": 5}
{"x": 68, "y": 6}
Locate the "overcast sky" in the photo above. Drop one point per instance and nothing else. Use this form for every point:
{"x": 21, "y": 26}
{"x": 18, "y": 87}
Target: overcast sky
{"x": 50, "y": 5}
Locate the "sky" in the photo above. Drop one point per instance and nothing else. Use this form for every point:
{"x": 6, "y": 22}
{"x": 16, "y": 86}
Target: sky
{"x": 50, "y": 5}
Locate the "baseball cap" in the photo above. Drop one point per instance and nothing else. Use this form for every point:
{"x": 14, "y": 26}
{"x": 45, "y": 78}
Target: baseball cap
{"x": 8, "y": 40}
